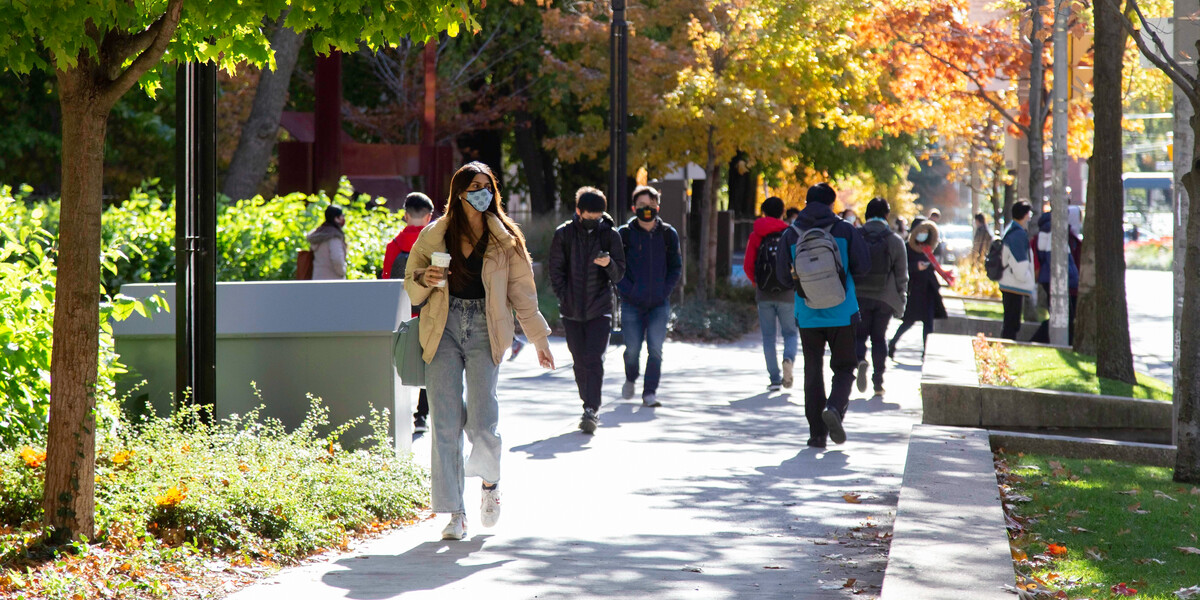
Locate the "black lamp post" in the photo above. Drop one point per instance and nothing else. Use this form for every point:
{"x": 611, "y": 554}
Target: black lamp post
{"x": 618, "y": 109}
{"x": 196, "y": 234}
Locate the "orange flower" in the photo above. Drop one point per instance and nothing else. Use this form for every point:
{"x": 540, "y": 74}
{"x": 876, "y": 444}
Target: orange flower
{"x": 174, "y": 496}
{"x": 1056, "y": 550}
{"x": 122, "y": 457}
{"x": 33, "y": 458}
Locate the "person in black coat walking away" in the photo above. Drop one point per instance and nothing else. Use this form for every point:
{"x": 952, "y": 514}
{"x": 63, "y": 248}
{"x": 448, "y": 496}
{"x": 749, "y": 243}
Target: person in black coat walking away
{"x": 654, "y": 268}
{"x": 882, "y": 292}
{"x": 924, "y": 291}
{"x": 586, "y": 259}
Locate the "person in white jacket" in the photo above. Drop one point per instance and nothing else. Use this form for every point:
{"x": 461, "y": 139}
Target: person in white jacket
{"x": 1018, "y": 280}
{"x": 328, "y": 244}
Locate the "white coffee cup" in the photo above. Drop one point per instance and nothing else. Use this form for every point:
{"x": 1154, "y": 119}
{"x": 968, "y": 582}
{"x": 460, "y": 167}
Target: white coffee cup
{"x": 442, "y": 261}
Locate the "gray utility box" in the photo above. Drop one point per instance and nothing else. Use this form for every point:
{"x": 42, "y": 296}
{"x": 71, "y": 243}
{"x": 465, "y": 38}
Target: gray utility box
{"x": 331, "y": 339}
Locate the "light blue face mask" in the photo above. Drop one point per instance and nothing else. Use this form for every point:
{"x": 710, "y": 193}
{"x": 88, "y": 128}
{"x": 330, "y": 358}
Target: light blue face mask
{"x": 480, "y": 199}
{"x": 921, "y": 237}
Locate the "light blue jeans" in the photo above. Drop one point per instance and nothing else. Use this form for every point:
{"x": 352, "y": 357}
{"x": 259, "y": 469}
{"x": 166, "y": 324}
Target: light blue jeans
{"x": 783, "y": 313}
{"x": 464, "y": 350}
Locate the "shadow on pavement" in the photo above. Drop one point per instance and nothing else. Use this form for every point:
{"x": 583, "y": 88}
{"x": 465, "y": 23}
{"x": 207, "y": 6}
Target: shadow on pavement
{"x": 626, "y": 413}
{"x": 426, "y": 567}
{"x": 574, "y": 441}
{"x": 872, "y": 404}
{"x": 763, "y": 400}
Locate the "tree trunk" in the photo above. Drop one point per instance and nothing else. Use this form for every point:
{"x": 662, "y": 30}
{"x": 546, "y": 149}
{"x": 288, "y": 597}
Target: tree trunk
{"x": 536, "y": 164}
{"x": 261, "y": 129}
{"x": 1085, "y": 311}
{"x": 707, "y": 280}
{"x": 70, "y": 447}
{"x": 1114, "y": 358}
{"x": 1037, "y": 110}
{"x": 1187, "y": 395}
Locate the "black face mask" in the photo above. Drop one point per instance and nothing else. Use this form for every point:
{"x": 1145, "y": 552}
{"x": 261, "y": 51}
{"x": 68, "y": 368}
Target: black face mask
{"x": 589, "y": 224}
{"x": 647, "y": 213}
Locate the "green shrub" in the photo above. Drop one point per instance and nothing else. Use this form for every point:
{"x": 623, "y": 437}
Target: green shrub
{"x": 244, "y": 485}
{"x": 712, "y": 321}
{"x": 27, "y": 275}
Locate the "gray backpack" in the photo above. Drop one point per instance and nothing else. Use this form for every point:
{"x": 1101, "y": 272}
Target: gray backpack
{"x": 818, "y": 268}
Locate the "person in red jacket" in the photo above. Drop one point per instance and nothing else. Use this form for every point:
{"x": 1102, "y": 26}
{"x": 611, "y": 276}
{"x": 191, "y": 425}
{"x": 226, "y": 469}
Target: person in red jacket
{"x": 418, "y": 211}
{"x": 776, "y": 303}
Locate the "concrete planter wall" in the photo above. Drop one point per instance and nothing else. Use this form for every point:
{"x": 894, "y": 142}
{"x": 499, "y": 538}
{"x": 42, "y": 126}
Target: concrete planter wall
{"x": 959, "y": 323}
{"x": 951, "y": 395}
{"x": 331, "y": 339}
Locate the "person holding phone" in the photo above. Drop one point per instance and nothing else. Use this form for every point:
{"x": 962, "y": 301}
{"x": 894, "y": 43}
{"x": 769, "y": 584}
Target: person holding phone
{"x": 586, "y": 259}
{"x": 466, "y": 326}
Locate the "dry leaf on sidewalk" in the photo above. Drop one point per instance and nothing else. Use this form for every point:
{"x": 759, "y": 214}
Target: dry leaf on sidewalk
{"x": 851, "y": 497}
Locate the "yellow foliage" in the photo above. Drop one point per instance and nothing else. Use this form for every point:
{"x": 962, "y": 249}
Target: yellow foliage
{"x": 33, "y": 458}
{"x": 173, "y": 497}
{"x": 122, "y": 457}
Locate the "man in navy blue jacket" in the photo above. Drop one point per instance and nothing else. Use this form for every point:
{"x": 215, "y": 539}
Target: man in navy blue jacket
{"x": 653, "y": 266}
{"x": 834, "y": 326}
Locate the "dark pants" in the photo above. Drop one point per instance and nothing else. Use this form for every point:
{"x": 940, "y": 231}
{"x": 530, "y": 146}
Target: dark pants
{"x": 1043, "y": 333}
{"x": 1012, "y": 314}
{"x": 649, "y": 325}
{"x": 587, "y": 341}
{"x": 907, "y": 323}
{"x": 422, "y": 404}
{"x": 843, "y": 362}
{"x": 875, "y": 317}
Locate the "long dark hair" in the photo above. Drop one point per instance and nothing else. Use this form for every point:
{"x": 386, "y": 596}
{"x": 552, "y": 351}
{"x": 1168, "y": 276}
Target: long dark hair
{"x": 458, "y": 228}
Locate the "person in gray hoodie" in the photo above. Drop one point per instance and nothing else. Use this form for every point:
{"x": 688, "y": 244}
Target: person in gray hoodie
{"x": 328, "y": 245}
{"x": 882, "y": 292}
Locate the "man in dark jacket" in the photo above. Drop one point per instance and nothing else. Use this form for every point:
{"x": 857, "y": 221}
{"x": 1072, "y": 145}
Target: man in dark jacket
{"x": 586, "y": 258}
{"x": 834, "y": 326}
{"x": 654, "y": 266}
{"x": 882, "y": 292}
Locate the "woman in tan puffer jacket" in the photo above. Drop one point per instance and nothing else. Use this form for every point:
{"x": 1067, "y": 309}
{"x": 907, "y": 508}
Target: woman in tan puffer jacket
{"x": 466, "y": 325}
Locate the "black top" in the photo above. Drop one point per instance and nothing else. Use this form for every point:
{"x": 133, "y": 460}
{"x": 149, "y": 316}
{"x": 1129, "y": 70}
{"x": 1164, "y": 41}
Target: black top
{"x": 584, "y": 289}
{"x": 471, "y": 287}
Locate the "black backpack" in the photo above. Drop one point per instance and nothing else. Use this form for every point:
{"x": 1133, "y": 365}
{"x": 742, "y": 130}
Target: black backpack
{"x": 764, "y": 264}
{"x": 881, "y": 263}
{"x": 994, "y": 263}
{"x": 398, "y": 265}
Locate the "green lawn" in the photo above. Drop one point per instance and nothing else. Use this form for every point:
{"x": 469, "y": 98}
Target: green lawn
{"x": 993, "y": 310}
{"x": 1119, "y": 523}
{"x": 1063, "y": 370}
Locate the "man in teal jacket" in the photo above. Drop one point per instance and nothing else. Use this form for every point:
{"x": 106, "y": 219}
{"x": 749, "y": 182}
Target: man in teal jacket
{"x": 834, "y": 326}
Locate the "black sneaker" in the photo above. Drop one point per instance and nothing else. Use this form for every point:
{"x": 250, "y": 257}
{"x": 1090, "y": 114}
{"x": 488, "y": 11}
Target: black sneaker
{"x": 814, "y": 442}
{"x": 834, "y": 422}
{"x": 419, "y": 425}
{"x": 861, "y": 379}
{"x": 589, "y": 421}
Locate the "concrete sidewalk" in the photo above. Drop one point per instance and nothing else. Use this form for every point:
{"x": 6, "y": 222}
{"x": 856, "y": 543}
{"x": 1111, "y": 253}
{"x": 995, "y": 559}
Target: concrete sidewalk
{"x": 713, "y": 495}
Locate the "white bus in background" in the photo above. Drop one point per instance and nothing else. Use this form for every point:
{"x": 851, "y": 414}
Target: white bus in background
{"x": 1149, "y": 204}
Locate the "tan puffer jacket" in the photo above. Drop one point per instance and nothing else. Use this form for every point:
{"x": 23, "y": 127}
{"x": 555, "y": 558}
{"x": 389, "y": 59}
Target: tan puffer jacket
{"x": 507, "y": 279}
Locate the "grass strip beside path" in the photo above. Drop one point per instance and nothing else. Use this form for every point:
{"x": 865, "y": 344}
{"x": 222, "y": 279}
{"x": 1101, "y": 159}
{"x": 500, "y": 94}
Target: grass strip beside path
{"x": 993, "y": 310}
{"x": 1086, "y": 526}
{"x": 1062, "y": 370}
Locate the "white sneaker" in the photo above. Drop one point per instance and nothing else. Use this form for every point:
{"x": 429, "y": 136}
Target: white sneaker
{"x": 456, "y": 529}
{"x": 787, "y": 373}
{"x": 489, "y": 507}
{"x": 627, "y": 390}
{"x": 651, "y": 400}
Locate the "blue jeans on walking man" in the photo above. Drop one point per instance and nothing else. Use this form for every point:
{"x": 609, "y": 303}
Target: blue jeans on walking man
{"x": 782, "y": 314}
{"x": 649, "y": 325}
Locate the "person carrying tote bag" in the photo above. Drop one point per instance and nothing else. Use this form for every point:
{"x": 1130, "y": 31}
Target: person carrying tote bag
{"x": 465, "y": 328}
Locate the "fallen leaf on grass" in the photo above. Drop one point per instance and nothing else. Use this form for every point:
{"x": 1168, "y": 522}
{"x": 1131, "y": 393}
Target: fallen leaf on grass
{"x": 1095, "y": 554}
{"x": 1137, "y": 509}
{"x": 1185, "y": 593}
{"x": 851, "y": 497}
{"x": 1188, "y": 549}
{"x": 1160, "y": 494}
{"x": 1121, "y": 590}
{"x": 1128, "y": 492}
{"x": 1147, "y": 561}
{"x": 1018, "y": 554}
{"x": 1056, "y": 550}
{"x": 1125, "y": 532}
